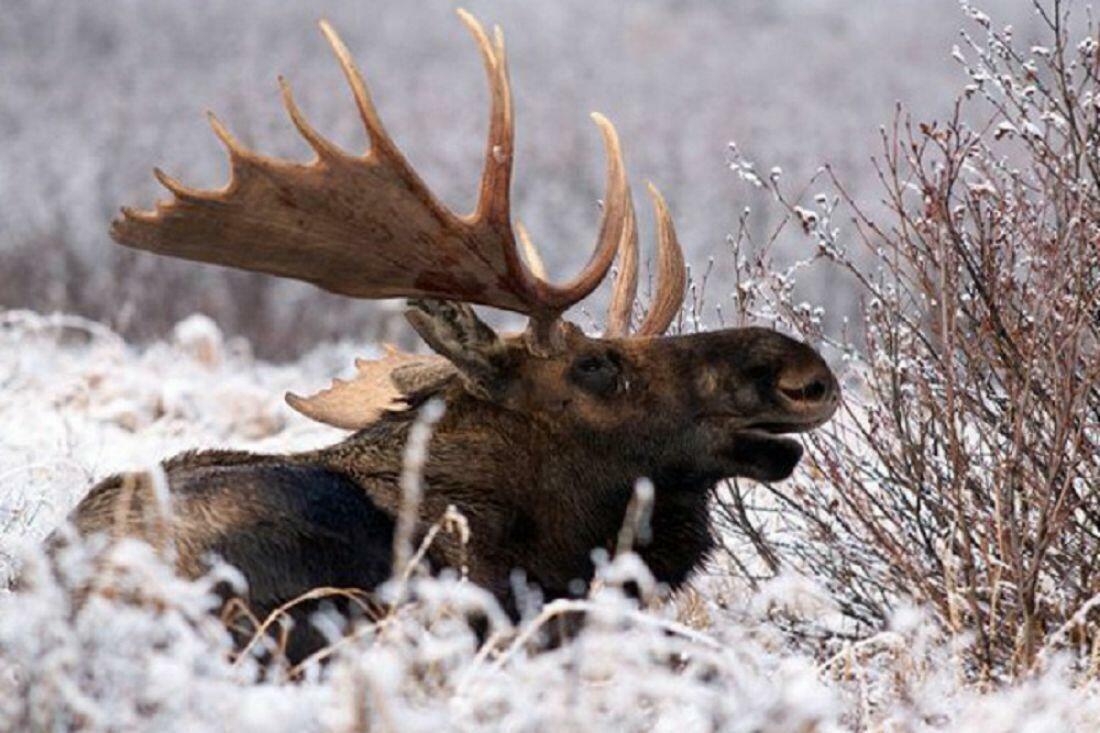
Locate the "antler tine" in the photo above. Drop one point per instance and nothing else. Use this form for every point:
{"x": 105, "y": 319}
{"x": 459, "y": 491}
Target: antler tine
{"x": 493, "y": 202}
{"x": 530, "y": 252}
{"x": 625, "y": 290}
{"x": 320, "y": 145}
{"x": 236, "y": 151}
{"x": 494, "y": 205}
{"x": 616, "y": 213}
{"x": 671, "y": 274}
{"x": 179, "y": 190}
{"x": 380, "y": 142}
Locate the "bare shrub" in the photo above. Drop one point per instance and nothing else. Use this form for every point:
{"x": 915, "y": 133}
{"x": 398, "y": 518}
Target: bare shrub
{"x": 964, "y": 473}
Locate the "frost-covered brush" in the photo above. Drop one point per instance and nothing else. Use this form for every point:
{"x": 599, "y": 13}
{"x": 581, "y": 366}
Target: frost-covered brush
{"x": 544, "y": 434}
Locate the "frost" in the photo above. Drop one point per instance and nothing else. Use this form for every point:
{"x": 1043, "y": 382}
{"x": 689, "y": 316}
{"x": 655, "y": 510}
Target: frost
{"x": 977, "y": 16}
{"x": 1031, "y": 130}
{"x": 1003, "y": 129}
{"x": 200, "y": 338}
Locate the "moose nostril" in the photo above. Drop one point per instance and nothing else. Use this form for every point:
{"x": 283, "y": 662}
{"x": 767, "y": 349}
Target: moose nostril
{"x": 813, "y": 391}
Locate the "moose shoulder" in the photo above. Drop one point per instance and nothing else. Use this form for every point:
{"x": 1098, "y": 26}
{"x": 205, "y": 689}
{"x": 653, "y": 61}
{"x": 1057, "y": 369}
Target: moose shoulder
{"x": 543, "y": 434}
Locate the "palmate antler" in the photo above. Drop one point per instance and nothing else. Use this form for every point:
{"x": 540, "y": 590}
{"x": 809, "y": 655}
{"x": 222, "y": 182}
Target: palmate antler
{"x": 368, "y": 227}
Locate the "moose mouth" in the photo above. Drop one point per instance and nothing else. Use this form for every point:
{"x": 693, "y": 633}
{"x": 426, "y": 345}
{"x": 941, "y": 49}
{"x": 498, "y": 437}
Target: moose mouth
{"x": 763, "y": 450}
{"x": 764, "y": 453}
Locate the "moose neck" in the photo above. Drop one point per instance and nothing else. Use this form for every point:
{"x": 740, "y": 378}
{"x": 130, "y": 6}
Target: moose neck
{"x": 534, "y": 499}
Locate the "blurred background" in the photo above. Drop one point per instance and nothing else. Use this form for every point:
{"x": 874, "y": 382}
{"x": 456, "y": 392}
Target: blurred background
{"x": 92, "y": 96}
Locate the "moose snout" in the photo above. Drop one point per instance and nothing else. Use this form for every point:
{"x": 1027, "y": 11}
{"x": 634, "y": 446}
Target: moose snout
{"x": 809, "y": 389}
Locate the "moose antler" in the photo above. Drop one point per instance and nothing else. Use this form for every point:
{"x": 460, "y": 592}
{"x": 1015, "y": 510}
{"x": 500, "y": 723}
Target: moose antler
{"x": 379, "y": 385}
{"x": 671, "y": 276}
{"x": 368, "y": 227}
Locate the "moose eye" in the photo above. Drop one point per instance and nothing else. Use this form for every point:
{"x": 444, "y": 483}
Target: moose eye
{"x": 596, "y": 373}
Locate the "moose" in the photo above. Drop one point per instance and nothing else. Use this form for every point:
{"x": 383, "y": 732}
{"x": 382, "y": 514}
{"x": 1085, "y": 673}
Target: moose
{"x": 543, "y": 434}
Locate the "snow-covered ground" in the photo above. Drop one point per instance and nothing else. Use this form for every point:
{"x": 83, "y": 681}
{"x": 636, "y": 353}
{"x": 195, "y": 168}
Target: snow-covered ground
{"x": 76, "y": 403}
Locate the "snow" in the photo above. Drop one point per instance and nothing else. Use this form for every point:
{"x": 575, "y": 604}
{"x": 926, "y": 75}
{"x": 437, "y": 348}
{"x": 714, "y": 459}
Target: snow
{"x": 143, "y": 654}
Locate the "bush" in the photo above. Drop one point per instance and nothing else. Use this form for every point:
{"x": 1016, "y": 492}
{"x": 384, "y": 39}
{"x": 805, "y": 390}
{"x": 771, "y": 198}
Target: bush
{"x": 963, "y": 473}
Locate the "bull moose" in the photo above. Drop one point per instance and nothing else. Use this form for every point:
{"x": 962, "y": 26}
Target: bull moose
{"x": 543, "y": 435}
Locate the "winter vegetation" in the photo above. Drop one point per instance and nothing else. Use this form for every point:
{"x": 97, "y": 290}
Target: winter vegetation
{"x": 930, "y": 567}
{"x": 92, "y": 97}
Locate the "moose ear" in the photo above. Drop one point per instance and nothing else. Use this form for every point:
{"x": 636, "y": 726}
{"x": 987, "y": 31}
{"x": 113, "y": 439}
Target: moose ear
{"x": 454, "y": 331}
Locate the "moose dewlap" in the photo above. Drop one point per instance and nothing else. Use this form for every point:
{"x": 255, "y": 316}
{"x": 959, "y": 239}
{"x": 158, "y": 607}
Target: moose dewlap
{"x": 543, "y": 434}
